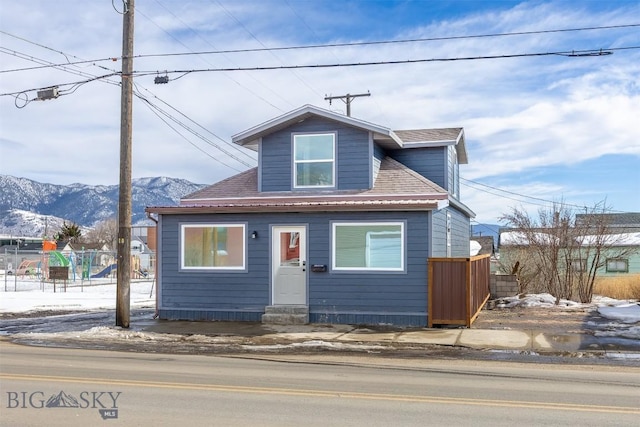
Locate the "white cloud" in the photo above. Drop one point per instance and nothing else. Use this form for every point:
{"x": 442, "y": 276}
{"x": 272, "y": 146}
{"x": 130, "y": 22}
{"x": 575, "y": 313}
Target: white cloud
{"x": 519, "y": 114}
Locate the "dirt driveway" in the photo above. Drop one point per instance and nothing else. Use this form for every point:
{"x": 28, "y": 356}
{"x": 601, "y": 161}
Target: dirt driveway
{"x": 547, "y": 319}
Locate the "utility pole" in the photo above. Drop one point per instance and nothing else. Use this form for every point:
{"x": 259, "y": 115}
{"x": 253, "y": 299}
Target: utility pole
{"x": 346, "y": 99}
{"x": 123, "y": 297}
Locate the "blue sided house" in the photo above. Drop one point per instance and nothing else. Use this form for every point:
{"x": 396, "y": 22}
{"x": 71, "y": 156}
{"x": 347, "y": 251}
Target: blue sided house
{"x": 334, "y": 225}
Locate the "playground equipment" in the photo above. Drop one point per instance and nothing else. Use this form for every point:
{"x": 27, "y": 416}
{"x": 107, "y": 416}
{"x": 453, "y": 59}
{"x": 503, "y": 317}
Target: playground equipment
{"x": 29, "y": 268}
{"x": 58, "y": 259}
{"x": 105, "y": 272}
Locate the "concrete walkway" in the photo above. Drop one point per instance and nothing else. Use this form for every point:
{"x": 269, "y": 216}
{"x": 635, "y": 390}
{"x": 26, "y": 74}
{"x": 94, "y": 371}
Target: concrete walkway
{"x": 483, "y": 339}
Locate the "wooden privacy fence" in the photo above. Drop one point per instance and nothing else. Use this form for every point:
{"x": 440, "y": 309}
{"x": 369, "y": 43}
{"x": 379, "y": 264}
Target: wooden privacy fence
{"x": 458, "y": 289}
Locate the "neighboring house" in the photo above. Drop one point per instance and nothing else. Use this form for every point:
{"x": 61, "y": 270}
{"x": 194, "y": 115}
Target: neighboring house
{"x": 87, "y": 253}
{"x": 145, "y": 233}
{"x": 83, "y": 247}
{"x": 143, "y": 256}
{"x": 335, "y": 225}
{"x": 624, "y": 239}
{"x": 484, "y": 245}
{"x": 622, "y": 242}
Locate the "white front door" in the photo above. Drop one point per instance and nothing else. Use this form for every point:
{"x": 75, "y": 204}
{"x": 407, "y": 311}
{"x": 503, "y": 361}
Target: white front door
{"x": 289, "y": 265}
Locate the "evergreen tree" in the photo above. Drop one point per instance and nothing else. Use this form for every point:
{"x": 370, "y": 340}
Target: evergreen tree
{"x": 69, "y": 232}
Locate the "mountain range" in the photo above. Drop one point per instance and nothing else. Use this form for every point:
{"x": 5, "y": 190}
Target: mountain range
{"x": 30, "y": 209}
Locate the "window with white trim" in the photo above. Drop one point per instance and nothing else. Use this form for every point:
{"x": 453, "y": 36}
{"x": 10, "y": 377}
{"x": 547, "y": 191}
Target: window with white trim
{"x": 212, "y": 246}
{"x": 617, "y": 265}
{"x": 375, "y": 246}
{"x": 314, "y": 160}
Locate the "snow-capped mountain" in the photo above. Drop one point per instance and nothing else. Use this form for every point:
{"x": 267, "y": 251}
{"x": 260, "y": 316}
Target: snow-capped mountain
{"x": 17, "y": 222}
{"x": 28, "y": 207}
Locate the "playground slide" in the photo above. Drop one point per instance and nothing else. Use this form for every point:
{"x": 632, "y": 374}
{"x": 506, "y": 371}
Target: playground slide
{"x": 105, "y": 272}
{"x": 61, "y": 258}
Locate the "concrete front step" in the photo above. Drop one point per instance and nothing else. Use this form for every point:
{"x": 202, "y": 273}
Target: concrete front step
{"x": 286, "y": 314}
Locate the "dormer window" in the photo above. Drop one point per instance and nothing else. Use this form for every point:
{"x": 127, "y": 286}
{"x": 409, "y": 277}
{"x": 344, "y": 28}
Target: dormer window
{"x": 314, "y": 158}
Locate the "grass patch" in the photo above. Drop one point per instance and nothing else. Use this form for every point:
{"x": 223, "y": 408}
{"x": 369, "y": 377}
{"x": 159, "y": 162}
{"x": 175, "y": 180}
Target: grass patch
{"x": 618, "y": 287}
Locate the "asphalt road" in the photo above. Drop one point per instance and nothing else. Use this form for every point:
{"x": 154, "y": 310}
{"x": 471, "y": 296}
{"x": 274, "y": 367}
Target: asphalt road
{"x": 95, "y": 387}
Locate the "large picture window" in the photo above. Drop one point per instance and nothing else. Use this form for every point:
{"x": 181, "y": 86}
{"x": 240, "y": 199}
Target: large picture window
{"x": 314, "y": 160}
{"x": 213, "y": 246}
{"x": 368, "y": 246}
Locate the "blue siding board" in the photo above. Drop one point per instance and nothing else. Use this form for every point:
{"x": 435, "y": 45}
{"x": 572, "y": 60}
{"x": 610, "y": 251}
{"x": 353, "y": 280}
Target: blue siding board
{"x": 214, "y": 295}
{"x": 451, "y": 164}
{"x": 439, "y": 233}
{"x": 428, "y": 162}
{"x": 460, "y": 233}
{"x": 353, "y": 167}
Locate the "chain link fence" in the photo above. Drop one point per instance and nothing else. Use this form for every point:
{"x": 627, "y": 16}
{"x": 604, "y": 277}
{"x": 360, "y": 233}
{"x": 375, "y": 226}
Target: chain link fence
{"x": 76, "y": 268}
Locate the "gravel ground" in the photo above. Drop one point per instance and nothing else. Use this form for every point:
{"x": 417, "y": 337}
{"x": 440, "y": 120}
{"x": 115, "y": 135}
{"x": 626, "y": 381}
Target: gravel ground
{"x": 549, "y": 319}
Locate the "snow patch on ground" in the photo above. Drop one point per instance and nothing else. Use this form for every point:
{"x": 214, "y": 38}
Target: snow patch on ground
{"x": 32, "y": 298}
{"x": 625, "y": 313}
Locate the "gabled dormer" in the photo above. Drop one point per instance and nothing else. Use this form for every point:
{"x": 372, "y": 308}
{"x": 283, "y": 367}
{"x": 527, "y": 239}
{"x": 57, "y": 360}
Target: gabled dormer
{"x": 436, "y": 154}
{"x": 315, "y": 150}
{"x": 311, "y": 149}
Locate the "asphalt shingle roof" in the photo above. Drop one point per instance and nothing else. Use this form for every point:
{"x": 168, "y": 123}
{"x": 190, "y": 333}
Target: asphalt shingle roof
{"x": 393, "y": 179}
{"x": 428, "y": 135}
{"x": 396, "y": 187}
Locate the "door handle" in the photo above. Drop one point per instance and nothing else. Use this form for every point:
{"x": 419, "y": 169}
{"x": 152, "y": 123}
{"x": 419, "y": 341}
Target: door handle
{"x": 304, "y": 263}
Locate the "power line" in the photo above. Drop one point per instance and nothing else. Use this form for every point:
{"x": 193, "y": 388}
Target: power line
{"x": 570, "y": 53}
{"x": 383, "y": 42}
{"x": 266, "y": 101}
{"x": 154, "y": 110}
{"x": 491, "y": 229}
{"x": 546, "y": 202}
{"x": 236, "y": 148}
{"x": 511, "y": 192}
{"x": 197, "y": 134}
{"x": 320, "y": 46}
{"x": 66, "y": 55}
{"x": 84, "y": 74}
{"x": 63, "y": 67}
{"x": 303, "y": 81}
{"x": 382, "y": 112}
{"x": 72, "y": 84}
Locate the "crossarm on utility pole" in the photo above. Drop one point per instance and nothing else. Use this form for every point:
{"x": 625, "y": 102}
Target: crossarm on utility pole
{"x": 346, "y": 99}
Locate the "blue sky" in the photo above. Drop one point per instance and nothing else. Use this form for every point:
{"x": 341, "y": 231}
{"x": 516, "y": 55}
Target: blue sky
{"x": 538, "y": 128}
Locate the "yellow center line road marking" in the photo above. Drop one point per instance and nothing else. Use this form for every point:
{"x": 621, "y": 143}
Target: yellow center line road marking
{"x": 330, "y": 394}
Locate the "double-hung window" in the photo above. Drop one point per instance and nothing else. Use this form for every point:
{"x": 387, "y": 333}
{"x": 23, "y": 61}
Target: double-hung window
{"x": 212, "y": 246}
{"x": 375, "y": 246}
{"x": 314, "y": 158}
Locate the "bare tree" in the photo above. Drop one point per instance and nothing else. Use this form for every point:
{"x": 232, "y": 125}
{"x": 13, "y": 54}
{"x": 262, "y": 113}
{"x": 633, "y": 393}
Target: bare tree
{"x": 105, "y": 232}
{"x": 598, "y": 241}
{"x": 560, "y": 255}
